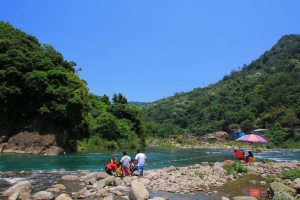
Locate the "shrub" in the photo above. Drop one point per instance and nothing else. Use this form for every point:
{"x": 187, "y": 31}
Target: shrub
{"x": 179, "y": 140}
{"x": 291, "y": 174}
{"x": 200, "y": 175}
{"x": 235, "y": 167}
{"x": 270, "y": 179}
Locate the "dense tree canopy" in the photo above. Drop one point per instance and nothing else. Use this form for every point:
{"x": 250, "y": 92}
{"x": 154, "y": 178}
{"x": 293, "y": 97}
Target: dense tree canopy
{"x": 37, "y": 84}
{"x": 265, "y": 92}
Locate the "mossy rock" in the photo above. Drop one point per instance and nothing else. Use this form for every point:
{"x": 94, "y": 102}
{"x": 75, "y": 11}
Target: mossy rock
{"x": 279, "y": 187}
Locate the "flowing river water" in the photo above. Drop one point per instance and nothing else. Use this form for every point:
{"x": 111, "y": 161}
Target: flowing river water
{"x": 44, "y": 171}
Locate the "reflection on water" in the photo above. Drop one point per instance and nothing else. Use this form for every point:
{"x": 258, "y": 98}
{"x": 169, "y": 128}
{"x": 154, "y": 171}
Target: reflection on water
{"x": 243, "y": 187}
{"x": 258, "y": 193}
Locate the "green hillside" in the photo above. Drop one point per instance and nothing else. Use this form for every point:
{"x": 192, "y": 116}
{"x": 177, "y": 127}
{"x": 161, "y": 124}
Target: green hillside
{"x": 262, "y": 94}
{"x": 41, "y": 92}
{"x": 139, "y": 104}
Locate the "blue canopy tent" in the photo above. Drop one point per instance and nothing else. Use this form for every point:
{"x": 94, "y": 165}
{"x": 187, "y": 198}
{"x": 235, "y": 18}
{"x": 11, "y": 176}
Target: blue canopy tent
{"x": 236, "y": 134}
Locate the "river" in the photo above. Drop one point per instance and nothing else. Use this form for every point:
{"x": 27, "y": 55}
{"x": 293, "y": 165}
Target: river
{"x": 45, "y": 169}
{"x": 156, "y": 158}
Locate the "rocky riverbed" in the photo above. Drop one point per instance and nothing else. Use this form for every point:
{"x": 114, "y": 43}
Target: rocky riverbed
{"x": 199, "y": 181}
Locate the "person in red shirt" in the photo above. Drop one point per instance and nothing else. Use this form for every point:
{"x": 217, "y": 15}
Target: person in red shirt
{"x": 238, "y": 155}
{"x": 110, "y": 168}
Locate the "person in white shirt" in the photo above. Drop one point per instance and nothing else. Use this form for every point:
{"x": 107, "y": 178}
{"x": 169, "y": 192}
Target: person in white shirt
{"x": 126, "y": 164}
{"x": 141, "y": 160}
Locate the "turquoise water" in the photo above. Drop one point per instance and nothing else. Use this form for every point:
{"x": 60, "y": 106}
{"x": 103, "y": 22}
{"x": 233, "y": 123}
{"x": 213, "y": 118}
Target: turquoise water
{"x": 156, "y": 158}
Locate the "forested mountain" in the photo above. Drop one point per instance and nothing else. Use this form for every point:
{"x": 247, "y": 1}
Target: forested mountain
{"x": 259, "y": 95}
{"x": 41, "y": 92}
{"x": 139, "y": 104}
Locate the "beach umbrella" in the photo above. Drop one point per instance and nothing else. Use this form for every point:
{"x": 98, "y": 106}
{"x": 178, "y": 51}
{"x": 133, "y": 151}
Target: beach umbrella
{"x": 252, "y": 138}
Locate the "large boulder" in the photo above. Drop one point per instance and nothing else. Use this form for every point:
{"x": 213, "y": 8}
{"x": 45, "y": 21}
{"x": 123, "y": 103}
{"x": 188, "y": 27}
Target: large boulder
{"x": 32, "y": 143}
{"x": 296, "y": 184}
{"x": 138, "y": 191}
{"x": 146, "y": 182}
{"x": 20, "y": 187}
{"x": 280, "y": 188}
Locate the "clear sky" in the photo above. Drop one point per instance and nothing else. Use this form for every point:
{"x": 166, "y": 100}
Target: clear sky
{"x": 148, "y": 50}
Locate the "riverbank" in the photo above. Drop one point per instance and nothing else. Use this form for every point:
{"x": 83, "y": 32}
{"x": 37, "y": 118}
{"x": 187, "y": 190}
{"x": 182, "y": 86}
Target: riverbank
{"x": 204, "y": 180}
{"x": 194, "y": 143}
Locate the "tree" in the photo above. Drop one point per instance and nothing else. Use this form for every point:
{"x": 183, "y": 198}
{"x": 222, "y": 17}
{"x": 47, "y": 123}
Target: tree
{"x": 246, "y": 125}
{"x": 119, "y": 99}
{"x": 37, "y": 84}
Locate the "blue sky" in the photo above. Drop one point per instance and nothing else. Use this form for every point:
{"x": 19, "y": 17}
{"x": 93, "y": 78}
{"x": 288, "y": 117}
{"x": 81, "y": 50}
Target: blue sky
{"x": 148, "y": 50}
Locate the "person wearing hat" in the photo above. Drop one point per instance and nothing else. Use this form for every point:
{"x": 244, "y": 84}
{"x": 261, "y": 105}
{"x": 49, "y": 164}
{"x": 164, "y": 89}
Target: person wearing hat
{"x": 126, "y": 164}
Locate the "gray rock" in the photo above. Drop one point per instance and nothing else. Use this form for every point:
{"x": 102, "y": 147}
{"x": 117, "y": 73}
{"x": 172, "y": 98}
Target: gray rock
{"x": 170, "y": 169}
{"x": 32, "y": 142}
{"x": 24, "y": 195}
{"x": 13, "y": 197}
{"x": 138, "y": 191}
{"x": 82, "y": 191}
{"x": 92, "y": 181}
{"x": 145, "y": 182}
{"x": 219, "y": 171}
{"x": 225, "y": 198}
{"x": 60, "y": 186}
{"x": 109, "y": 180}
{"x": 244, "y": 198}
{"x": 158, "y": 198}
{"x": 101, "y": 183}
{"x": 102, "y": 175}
{"x": 88, "y": 177}
{"x": 53, "y": 150}
{"x": 69, "y": 178}
{"x": 296, "y": 184}
{"x": 21, "y": 187}
{"x": 43, "y": 195}
{"x": 279, "y": 187}
{"x": 53, "y": 190}
{"x": 63, "y": 197}
{"x": 282, "y": 195}
{"x": 110, "y": 197}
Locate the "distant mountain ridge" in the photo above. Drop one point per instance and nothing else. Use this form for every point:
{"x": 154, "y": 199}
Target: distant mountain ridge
{"x": 265, "y": 92}
{"x": 139, "y": 104}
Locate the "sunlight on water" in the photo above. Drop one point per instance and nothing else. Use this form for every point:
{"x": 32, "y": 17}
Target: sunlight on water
{"x": 156, "y": 158}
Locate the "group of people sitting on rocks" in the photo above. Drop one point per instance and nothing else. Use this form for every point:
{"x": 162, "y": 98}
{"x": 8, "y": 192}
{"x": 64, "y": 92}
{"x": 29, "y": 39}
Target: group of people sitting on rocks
{"x": 240, "y": 155}
{"x": 126, "y": 166}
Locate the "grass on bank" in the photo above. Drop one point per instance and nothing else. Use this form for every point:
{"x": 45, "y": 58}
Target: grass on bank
{"x": 234, "y": 168}
{"x": 291, "y": 174}
{"x": 98, "y": 143}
